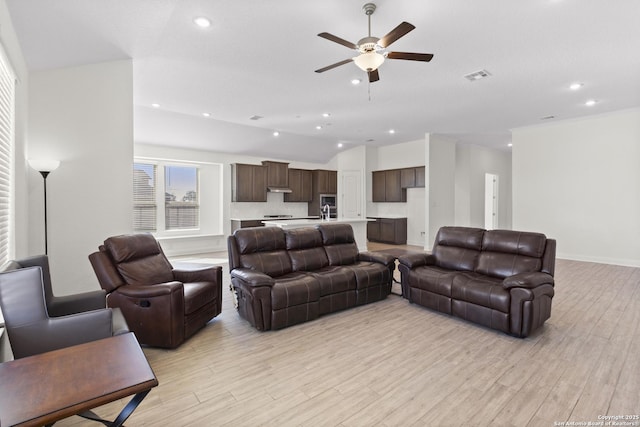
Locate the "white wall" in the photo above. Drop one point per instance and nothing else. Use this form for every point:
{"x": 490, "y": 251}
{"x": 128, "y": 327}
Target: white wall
{"x": 579, "y": 181}
{"x": 472, "y": 163}
{"x": 441, "y": 183}
{"x": 82, "y": 116}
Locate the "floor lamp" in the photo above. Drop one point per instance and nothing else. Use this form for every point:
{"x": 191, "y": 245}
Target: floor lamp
{"x": 44, "y": 166}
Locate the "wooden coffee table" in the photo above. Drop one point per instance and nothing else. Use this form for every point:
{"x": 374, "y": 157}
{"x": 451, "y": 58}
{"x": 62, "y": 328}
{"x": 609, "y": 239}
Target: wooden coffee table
{"x": 48, "y": 387}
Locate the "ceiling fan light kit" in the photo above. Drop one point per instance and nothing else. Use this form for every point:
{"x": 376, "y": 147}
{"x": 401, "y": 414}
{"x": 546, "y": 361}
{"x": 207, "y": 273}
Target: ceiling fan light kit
{"x": 372, "y": 51}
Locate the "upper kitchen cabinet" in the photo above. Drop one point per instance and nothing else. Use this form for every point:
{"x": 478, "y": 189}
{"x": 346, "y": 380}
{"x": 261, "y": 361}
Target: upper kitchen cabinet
{"x": 300, "y": 183}
{"x": 325, "y": 181}
{"x": 412, "y": 177}
{"x": 277, "y": 174}
{"x": 420, "y": 173}
{"x": 249, "y": 183}
{"x": 387, "y": 186}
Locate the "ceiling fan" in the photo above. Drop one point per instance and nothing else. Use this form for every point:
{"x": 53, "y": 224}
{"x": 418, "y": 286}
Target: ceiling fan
{"x": 373, "y": 50}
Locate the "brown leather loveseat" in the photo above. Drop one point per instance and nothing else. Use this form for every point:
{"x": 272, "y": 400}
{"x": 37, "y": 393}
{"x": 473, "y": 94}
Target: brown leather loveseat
{"x": 501, "y": 279}
{"x": 285, "y": 277}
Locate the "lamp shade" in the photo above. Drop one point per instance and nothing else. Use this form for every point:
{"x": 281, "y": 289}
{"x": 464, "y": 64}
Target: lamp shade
{"x": 369, "y": 61}
{"x": 44, "y": 165}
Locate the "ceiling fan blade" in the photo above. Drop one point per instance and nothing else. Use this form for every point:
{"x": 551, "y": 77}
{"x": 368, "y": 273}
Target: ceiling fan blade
{"x": 395, "y": 34}
{"x": 338, "y": 40}
{"x": 426, "y": 57}
{"x": 337, "y": 64}
{"x": 373, "y": 76}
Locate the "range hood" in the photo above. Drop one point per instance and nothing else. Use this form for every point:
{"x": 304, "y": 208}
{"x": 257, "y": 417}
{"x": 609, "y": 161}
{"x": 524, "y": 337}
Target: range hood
{"x": 279, "y": 189}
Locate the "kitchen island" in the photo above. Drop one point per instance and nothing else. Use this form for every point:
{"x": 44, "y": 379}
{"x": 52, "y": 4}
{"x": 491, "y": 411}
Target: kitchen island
{"x": 359, "y": 226}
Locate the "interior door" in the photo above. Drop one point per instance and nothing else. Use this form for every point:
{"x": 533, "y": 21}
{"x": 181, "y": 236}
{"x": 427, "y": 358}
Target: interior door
{"x": 351, "y": 205}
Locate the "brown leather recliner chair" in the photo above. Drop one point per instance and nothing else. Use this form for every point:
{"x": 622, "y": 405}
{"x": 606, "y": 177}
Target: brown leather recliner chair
{"x": 162, "y": 305}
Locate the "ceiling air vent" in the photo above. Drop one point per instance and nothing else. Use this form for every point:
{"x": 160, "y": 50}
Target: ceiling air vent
{"x": 256, "y": 117}
{"x": 477, "y": 75}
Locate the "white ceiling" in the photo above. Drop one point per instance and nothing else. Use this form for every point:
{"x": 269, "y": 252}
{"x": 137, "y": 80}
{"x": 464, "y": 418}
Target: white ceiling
{"x": 259, "y": 57}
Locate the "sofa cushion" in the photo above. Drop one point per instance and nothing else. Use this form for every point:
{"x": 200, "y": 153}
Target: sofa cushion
{"x": 342, "y": 254}
{"x": 433, "y": 279}
{"x": 273, "y": 263}
{"x": 335, "y": 279}
{"x": 197, "y": 295}
{"x": 259, "y": 239}
{"x": 507, "y": 252}
{"x": 308, "y": 259}
{"x": 457, "y": 248}
{"x": 333, "y": 234}
{"x": 302, "y": 238}
{"x": 370, "y": 274}
{"x": 481, "y": 290}
{"x": 294, "y": 289}
{"x": 128, "y": 247}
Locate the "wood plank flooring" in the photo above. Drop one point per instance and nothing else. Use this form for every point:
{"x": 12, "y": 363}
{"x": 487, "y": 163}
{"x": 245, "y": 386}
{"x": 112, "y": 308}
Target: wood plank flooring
{"x": 392, "y": 363}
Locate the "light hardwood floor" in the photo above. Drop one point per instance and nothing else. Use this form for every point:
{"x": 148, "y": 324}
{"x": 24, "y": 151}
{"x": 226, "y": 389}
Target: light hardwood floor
{"x": 392, "y": 363}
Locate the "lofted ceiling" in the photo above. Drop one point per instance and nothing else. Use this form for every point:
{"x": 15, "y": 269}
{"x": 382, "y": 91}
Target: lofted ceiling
{"x": 258, "y": 59}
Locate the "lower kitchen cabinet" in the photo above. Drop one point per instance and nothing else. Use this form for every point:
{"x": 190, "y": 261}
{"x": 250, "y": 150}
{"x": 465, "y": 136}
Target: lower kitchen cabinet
{"x": 387, "y": 230}
{"x": 244, "y": 223}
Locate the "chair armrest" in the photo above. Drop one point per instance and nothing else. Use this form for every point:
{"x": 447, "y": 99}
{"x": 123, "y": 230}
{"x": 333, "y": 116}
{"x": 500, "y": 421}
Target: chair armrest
{"x": 198, "y": 274}
{"x": 528, "y": 280}
{"x": 416, "y": 259}
{"x": 71, "y": 304}
{"x": 251, "y": 277}
{"x": 59, "y": 332}
{"x": 149, "y": 291}
{"x": 378, "y": 257}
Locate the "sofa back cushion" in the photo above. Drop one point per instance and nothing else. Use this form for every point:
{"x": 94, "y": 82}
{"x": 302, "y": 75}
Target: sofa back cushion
{"x": 458, "y": 248}
{"x": 507, "y": 252}
{"x": 339, "y": 243}
{"x": 305, "y": 249}
{"x": 263, "y": 249}
{"x": 139, "y": 259}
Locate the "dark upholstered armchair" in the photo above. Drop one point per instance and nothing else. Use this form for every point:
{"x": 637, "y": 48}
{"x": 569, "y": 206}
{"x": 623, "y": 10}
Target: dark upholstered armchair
{"x": 32, "y": 330}
{"x": 162, "y": 305}
{"x": 67, "y": 304}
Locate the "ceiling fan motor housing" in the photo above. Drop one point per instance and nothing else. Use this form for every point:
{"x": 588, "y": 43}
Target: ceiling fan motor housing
{"x": 368, "y": 44}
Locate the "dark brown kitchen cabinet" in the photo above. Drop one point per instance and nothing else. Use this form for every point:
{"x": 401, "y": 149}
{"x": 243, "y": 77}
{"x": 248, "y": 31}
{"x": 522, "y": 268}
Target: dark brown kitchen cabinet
{"x": 325, "y": 181}
{"x": 387, "y": 186}
{"x": 408, "y": 177}
{"x": 301, "y": 185}
{"x": 249, "y": 183}
{"x": 244, "y": 223}
{"x": 387, "y": 230}
{"x": 277, "y": 174}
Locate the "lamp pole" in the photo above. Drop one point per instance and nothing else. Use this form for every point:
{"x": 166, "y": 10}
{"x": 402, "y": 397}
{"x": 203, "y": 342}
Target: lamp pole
{"x": 45, "y": 167}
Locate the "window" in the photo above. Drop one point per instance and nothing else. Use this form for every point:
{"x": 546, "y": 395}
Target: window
{"x": 173, "y": 206}
{"x": 181, "y": 197}
{"x": 144, "y": 197}
{"x": 7, "y": 123}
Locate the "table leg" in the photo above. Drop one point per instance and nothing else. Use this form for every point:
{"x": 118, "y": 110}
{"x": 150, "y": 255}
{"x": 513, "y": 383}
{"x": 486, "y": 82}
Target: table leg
{"x": 124, "y": 414}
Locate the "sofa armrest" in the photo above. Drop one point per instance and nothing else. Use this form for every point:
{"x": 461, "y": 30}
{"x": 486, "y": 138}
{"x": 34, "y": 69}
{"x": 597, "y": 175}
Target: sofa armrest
{"x": 149, "y": 291}
{"x": 528, "y": 280}
{"x": 416, "y": 259}
{"x": 379, "y": 257}
{"x": 77, "y": 303}
{"x": 251, "y": 277}
{"x": 199, "y": 274}
{"x": 59, "y": 332}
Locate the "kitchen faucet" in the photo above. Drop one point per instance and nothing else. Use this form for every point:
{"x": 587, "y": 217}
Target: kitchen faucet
{"x": 326, "y": 210}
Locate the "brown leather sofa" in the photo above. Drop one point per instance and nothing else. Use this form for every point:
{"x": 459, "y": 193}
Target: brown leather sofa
{"x": 162, "y": 305}
{"x": 501, "y": 279}
{"x": 286, "y": 277}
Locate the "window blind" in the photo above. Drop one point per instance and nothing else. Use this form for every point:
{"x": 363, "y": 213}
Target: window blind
{"x": 144, "y": 197}
{"x": 7, "y": 127}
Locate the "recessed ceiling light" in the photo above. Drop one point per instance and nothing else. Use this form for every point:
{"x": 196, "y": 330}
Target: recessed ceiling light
{"x": 206, "y": 114}
{"x": 325, "y": 114}
{"x": 340, "y": 144}
{"x": 155, "y": 105}
{"x": 355, "y": 82}
{"x": 318, "y": 127}
{"x": 509, "y": 145}
{"x": 591, "y": 103}
{"x": 575, "y": 86}
{"x": 392, "y": 131}
{"x": 276, "y": 133}
{"x": 202, "y": 22}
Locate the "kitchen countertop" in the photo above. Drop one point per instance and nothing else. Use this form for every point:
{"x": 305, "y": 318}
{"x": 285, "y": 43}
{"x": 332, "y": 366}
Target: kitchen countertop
{"x": 290, "y": 222}
{"x": 274, "y": 219}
